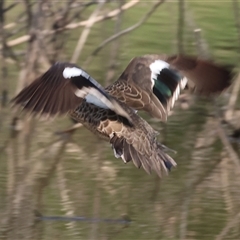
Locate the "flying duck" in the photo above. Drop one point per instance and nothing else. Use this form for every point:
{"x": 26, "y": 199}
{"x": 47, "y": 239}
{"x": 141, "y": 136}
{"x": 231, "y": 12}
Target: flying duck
{"x": 151, "y": 83}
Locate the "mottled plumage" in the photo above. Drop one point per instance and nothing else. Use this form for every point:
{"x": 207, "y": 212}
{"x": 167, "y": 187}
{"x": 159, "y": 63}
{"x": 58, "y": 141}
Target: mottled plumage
{"x": 135, "y": 88}
{"x": 151, "y": 83}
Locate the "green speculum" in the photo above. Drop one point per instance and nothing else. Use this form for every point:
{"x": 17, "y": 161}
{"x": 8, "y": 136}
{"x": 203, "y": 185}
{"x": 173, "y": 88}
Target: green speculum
{"x": 162, "y": 88}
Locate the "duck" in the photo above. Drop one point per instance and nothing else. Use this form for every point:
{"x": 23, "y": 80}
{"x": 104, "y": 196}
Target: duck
{"x": 151, "y": 83}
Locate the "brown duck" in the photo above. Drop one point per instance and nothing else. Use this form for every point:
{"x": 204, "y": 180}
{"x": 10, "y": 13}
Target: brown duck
{"x": 151, "y": 83}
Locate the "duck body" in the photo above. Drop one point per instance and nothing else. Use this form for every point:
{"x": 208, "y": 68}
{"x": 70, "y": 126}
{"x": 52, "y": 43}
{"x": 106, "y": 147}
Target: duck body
{"x": 151, "y": 83}
{"x": 135, "y": 140}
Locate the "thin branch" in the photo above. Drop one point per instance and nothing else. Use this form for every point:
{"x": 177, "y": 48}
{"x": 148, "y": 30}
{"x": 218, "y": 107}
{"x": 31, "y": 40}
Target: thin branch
{"x": 233, "y": 99}
{"x": 232, "y": 154}
{"x": 204, "y": 140}
{"x": 114, "y": 48}
{"x": 28, "y": 12}
{"x": 82, "y": 39}
{"x": 225, "y": 141}
{"x": 103, "y": 17}
{"x": 111, "y": 14}
{"x": 181, "y": 21}
{"x": 200, "y": 40}
{"x": 201, "y": 44}
{"x": 226, "y": 229}
{"x": 191, "y": 179}
{"x": 10, "y": 7}
{"x": 83, "y": 219}
{"x": 236, "y": 86}
{"x": 225, "y": 186}
{"x": 3, "y": 68}
{"x": 237, "y": 18}
{"x": 125, "y": 31}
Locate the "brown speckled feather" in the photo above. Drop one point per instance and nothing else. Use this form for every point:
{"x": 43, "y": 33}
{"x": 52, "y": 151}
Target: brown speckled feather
{"x": 137, "y": 143}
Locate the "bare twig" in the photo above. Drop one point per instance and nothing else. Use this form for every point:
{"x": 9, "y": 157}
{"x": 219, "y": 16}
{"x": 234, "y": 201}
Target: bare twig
{"x": 236, "y": 86}
{"x": 200, "y": 41}
{"x": 114, "y": 48}
{"x": 237, "y": 18}
{"x": 83, "y": 37}
{"x": 198, "y": 172}
{"x": 232, "y": 154}
{"x": 233, "y": 99}
{"x": 226, "y": 229}
{"x": 125, "y": 31}
{"x": 103, "y": 17}
{"x": 201, "y": 149}
{"x": 202, "y": 45}
{"x": 28, "y": 11}
{"x": 10, "y": 7}
{"x": 225, "y": 186}
{"x": 4, "y": 82}
{"x": 111, "y": 14}
{"x": 180, "y": 33}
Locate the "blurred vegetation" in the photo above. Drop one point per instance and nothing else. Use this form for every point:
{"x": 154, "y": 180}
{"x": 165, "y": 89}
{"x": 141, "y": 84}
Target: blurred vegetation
{"x": 44, "y": 173}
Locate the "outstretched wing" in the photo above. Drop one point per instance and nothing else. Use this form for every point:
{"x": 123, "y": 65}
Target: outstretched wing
{"x": 61, "y": 89}
{"x": 153, "y": 82}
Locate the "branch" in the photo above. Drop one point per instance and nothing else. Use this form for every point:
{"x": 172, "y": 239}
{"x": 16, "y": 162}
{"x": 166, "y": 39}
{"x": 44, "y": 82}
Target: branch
{"x": 202, "y": 45}
{"x": 236, "y": 86}
{"x": 237, "y": 18}
{"x": 232, "y": 154}
{"x": 200, "y": 41}
{"x": 229, "y": 225}
{"x": 28, "y": 12}
{"x": 233, "y": 99}
{"x": 225, "y": 182}
{"x": 127, "y": 30}
{"x": 181, "y": 21}
{"x": 3, "y": 54}
{"x": 103, "y": 17}
{"x": 114, "y": 51}
{"x": 10, "y": 7}
{"x": 83, "y": 37}
{"x": 111, "y": 14}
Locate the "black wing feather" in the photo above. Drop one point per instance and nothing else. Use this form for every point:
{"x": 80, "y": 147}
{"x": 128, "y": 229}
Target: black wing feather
{"x": 53, "y": 93}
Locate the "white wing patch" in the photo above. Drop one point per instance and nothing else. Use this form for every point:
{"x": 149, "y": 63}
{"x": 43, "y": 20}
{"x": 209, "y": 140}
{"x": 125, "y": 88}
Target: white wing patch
{"x": 69, "y": 72}
{"x": 183, "y": 83}
{"x": 96, "y": 101}
{"x": 93, "y": 96}
{"x": 176, "y": 93}
{"x": 156, "y": 67}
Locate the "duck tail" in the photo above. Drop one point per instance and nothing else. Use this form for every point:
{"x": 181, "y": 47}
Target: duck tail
{"x": 157, "y": 159}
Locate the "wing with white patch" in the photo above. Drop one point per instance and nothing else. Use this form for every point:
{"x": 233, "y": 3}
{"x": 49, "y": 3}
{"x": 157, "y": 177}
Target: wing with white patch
{"x": 62, "y": 88}
{"x": 148, "y": 83}
{"x": 153, "y": 82}
{"x": 167, "y": 83}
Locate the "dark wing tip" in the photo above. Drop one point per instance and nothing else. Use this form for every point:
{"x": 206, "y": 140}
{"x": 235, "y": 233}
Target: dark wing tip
{"x": 169, "y": 163}
{"x": 208, "y": 77}
{"x": 50, "y": 94}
